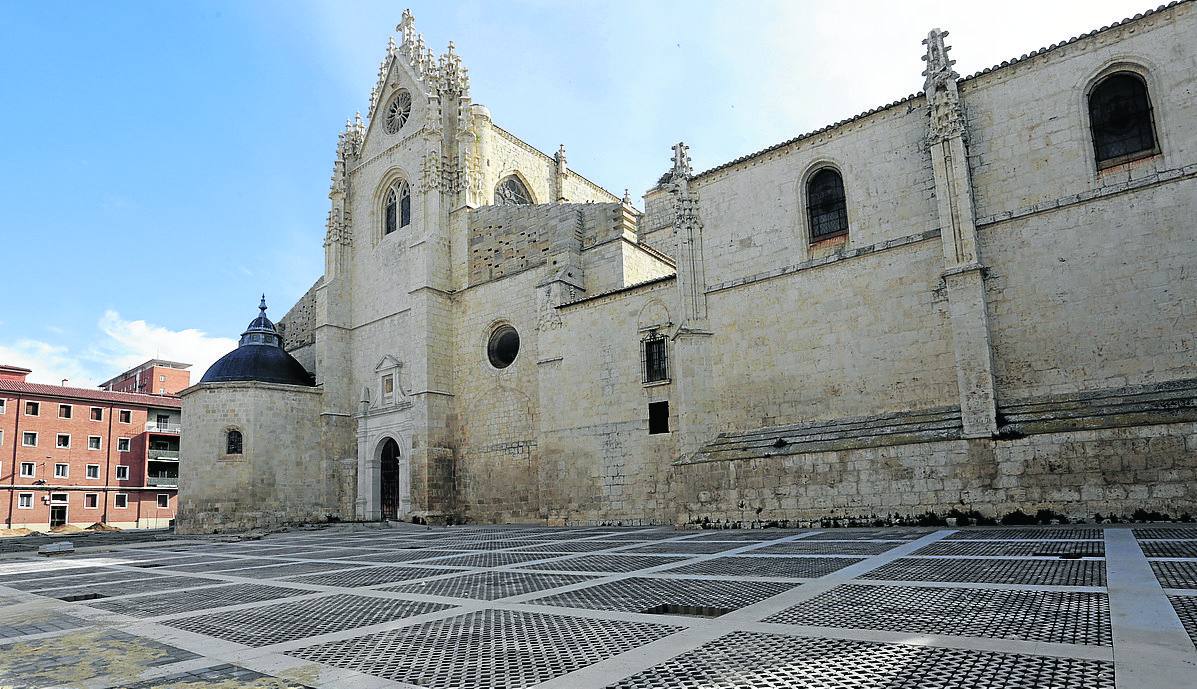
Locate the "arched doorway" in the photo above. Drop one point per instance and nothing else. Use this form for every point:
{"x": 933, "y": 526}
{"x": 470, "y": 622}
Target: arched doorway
{"x": 389, "y": 497}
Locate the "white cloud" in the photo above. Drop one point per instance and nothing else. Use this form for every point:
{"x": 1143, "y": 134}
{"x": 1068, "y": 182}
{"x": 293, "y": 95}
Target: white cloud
{"x": 119, "y": 345}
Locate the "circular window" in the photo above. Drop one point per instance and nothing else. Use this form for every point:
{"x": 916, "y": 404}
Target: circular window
{"x": 502, "y": 347}
{"x": 398, "y": 111}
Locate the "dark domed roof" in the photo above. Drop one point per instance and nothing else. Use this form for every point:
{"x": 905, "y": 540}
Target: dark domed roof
{"x": 259, "y": 357}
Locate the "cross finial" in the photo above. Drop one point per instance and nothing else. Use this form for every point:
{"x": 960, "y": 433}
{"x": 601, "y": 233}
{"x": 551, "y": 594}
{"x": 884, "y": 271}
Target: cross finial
{"x": 681, "y": 160}
{"x": 627, "y": 197}
{"x": 262, "y": 305}
{"x": 406, "y": 23}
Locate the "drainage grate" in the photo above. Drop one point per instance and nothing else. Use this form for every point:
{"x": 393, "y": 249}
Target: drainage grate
{"x": 1169, "y": 548}
{"x": 777, "y": 566}
{"x": 219, "y": 676}
{"x": 1016, "y": 548}
{"x": 489, "y": 585}
{"x": 288, "y": 621}
{"x": 742, "y": 660}
{"x": 606, "y": 563}
{"x": 1044, "y": 572}
{"x": 685, "y": 610}
{"x": 1058, "y": 617}
{"x": 185, "y": 601}
{"x": 486, "y": 649}
{"x": 1186, "y": 610}
{"x": 1176, "y": 575}
{"x": 1034, "y": 533}
{"x": 369, "y": 576}
{"x": 638, "y": 593}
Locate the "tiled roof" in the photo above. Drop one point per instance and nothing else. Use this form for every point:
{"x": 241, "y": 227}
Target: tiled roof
{"x": 617, "y": 290}
{"x": 89, "y": 394}
{"x": 914, "y": 96}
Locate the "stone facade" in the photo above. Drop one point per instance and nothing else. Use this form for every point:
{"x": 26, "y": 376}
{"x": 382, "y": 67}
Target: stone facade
{"x": 1005, "y": 325}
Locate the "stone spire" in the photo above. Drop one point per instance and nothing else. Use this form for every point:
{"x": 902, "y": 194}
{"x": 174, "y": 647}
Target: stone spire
{"x": 560, "y": 173}
{"x": 943, "y": 96}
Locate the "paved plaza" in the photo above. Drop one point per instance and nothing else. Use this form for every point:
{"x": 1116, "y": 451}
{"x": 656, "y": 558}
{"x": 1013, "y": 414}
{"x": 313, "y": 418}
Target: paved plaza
{"x": 1067, "y": 607}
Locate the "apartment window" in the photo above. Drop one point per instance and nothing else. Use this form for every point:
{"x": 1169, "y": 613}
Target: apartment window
{"x": 61, "y": 470}
{"x": 62, "y": 441}
{"x": 97, "y": 413}
{"x": 121, "y": 500}
{"x": 93, "y": 471}
{"x": 1, "y": 438}
{"x": 94, "y": 442}
{"x": 125, "y": 416}
{"x": 3, "y": 405}
{"x": 826, "y": 205}
{"x": 25, "y": 501}
{"x": 33, "y": 409}
{"x": 161, "y": 379}
{"x": 27, "y": 469}
{"x": 163, "y": 421}
{"x": 658, "y": 417}
{"x": 29, "y": 439}
{"x": 122, "y": 472}
{"x": 233, "y": 443}
{"x": 65, "y": 411}
{"x": 163, "y": 500}
{"x": 656, "y": 363}
{"x": 91, "y": 500}
{"x": 122, "y": 444}
{"x": 1120, "y": 116}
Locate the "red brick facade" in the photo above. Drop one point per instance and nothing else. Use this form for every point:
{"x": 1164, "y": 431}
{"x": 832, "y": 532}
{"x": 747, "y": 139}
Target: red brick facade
{"x": 87, "y": 451}
{"x": 154, "y": 377}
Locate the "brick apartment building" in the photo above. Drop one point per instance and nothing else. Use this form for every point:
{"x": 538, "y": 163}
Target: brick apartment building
{"x": 81, "y": 456}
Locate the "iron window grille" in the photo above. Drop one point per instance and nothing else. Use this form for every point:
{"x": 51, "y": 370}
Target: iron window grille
{"x": 826, "y": 205}
{"x": 654, "y": 356}
{"x": 1121, "y": 118}
{"x": 233, "y": 444}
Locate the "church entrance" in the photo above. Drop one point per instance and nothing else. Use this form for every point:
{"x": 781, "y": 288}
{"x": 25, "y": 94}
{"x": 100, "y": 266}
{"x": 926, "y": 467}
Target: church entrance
{"x": 390, "y": 480}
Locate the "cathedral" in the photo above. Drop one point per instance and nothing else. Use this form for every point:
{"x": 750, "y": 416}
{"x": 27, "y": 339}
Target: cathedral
{"x": 979, "y": 299}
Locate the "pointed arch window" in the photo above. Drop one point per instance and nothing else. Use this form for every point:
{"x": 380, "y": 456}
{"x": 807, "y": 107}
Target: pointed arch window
{"x": 826, "y": 205}
{"x": 397, "y": 210}
{"x": 1121, "y": 120}
{"x": 233, "y": 442}
{"x": 512, "y": 192}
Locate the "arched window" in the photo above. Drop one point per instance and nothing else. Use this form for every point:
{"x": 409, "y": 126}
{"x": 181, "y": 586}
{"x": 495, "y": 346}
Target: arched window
{"x": 826, "y": 205}
{"x": 233, "y": 445}
{"x": 398, "y": 207}
{"x": 1120, "y": 115}
{"x": 512, "y": 192}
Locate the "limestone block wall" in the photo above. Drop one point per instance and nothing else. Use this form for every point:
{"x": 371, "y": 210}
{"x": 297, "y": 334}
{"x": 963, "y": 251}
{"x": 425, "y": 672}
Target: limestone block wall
{"x": 298, "y": 326}
{"x": 280, "y": 478}
{"x": 505, "y": 153}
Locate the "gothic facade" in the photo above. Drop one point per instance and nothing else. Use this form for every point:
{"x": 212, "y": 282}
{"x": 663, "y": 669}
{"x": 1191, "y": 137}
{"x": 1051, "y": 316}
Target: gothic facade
{"x": 979, "y": 297}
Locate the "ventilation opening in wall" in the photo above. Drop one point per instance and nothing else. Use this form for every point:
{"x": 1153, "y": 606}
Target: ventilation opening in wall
{"x": 658, "y": 417}
{"x": 686, "y": 610}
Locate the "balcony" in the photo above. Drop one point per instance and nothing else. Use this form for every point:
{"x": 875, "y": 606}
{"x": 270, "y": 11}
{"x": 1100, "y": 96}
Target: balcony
{"x": 169, "y": 455}
{"x": 155, "y": 427}
{"x": 162, "y": 481}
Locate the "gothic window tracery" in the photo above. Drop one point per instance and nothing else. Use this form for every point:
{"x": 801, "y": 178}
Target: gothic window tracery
{"x": 1121, "y": 119}
{"x": 826, "y": 205}
{"x": 397, "y": 209}
{"x": 512, "y": 192}
{"x": 398, "y": 110}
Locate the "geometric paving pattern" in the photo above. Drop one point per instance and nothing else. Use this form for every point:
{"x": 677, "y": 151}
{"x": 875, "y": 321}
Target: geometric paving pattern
{"x": 1060, "y": 617}
{"x": 486, "y": 649}
{"x": 978, "y": 607}
{"x": 489, "y": 585}
{"x": 742, "y": 660}
{"x": 1043, "y": 572}
{"x": 275, "y": 624}
{"x": 638, "y": 594}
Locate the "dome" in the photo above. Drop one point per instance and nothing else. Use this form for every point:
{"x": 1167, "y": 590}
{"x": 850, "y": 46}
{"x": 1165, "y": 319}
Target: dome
{"x": 259, "y": 356}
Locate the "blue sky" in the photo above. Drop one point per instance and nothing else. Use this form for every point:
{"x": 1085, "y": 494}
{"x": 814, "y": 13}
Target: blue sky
{"x": 164, "y": 163}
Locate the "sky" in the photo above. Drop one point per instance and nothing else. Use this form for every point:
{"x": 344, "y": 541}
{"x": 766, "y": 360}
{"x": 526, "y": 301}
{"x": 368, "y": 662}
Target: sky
{"x": 164, "y": 164}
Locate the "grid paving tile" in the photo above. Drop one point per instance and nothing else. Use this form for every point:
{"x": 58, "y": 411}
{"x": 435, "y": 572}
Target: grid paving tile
{"x": 743, "y": 660}
{"x": 1059, "y": 617}
{"x": 288, "y": 621}
{"x": 1015, "y": 548}
{"x": 571, "y": 546}
{"x": 370, "y": 576}
{"x": 402, "y": 555}
{"x": 778, "y": 566}
{"x": 37, "y": 622}
{"x": 486, "y": 649}
{"x": 70, "y": 659}
{"x": 638, "y": 594}
{"x": 1176, "y": 574}
{"x": 606, "y": 563}
{"x": 1035, "y": 533}
{"x": 1045, "y": 572}
{"x": 489, "y": 585}
{"x": 127, "y": 587}
{"x": 1186, "y": 610}
{"x": 172, "y": 602}
{"x": 219, "y": 677}
{"x": 289, "y": 569}
{"x": 222, "y": 565}
{"x": 805, "y": 547}
{"x": 1166, "y": 532}
{"x": 870, "y": 535}
{"x": 1169, "y": 548}
{"x": 487, "y": 559}
{"x": 686, "y": 547}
